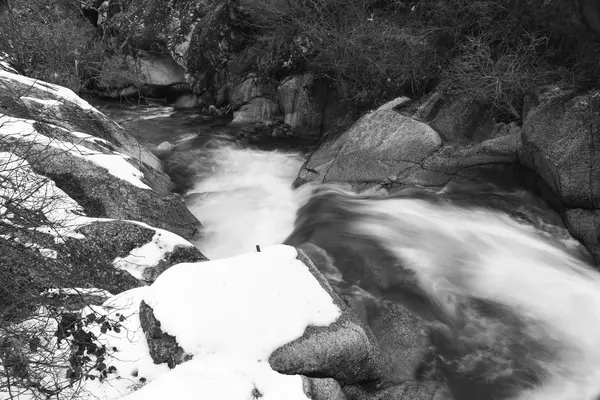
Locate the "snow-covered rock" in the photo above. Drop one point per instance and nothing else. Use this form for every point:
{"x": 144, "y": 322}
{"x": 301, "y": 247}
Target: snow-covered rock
{"x": 271, "y": 307}
{"x": 91, "y": 158}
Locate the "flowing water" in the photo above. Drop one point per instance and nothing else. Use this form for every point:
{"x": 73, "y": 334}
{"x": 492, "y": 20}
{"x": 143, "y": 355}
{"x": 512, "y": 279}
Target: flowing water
{"x": 513, "y": 302}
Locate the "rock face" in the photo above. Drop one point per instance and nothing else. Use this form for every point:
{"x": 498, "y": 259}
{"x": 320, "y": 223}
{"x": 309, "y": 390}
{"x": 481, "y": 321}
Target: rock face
{"x": 106, "y": 241}
{"x": 63, "y": 164}
{"x": 303, "y": 101}
{"x": 157, "y": 70}
{"x": 561, "y": 142}
{"x": 88, "y": 156}
{"x": 259, "y": 109}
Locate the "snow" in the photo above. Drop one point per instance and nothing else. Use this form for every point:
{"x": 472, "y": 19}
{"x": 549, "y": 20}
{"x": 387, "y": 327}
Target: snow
{"x": 46, "y": 103}
{"x": 151, "y": 253}
{"x": 91, "y": 138}
{"x": 132, "y": 359}
{"x": 78, "y": 291}
{"x": 262, "y": 300}
{"x": 216, "y": 378}
{"x": 48, "y": 253}
{"x": 116, "y": 163}
{"x": 127, "y": 352}
{"x": 54, "y": 90}
{"x": 22, "y": 189}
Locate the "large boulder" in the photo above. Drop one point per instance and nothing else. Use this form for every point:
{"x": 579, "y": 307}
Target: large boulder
{"x": 560, "y": 142}
{"x": 377, "y": 146}
{"x": 386, "y": 148}
{"x": 344, "y": 349}
{"x": 88, "y": 156}
{"x": 220, "y": 34}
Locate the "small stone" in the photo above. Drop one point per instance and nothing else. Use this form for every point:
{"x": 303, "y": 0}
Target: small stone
{"x": 164, "y": 147}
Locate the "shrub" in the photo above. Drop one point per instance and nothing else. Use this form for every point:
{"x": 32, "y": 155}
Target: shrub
{"x": 51, "y": 41}
{"x": 499, "y": 78}
{"x": 361, "y": 48}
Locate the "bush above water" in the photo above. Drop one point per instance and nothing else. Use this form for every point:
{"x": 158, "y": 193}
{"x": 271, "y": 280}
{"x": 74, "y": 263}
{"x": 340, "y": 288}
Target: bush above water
{"x": 494, "y": 51}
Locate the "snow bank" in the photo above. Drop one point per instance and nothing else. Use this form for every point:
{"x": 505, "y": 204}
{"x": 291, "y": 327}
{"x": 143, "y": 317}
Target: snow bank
{"x": 116, "y": 163}
{"x": 150, "y": 254}
{"x": 231, "y": 314}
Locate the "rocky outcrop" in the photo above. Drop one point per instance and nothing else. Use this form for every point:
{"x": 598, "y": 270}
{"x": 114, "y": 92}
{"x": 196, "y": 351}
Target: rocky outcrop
{"x": 303, "y": 100}
{"x": 63, "y": 165}
{"x": 560, "y": 142}
{"x": 88, "y": 156}
{"x": 259, "y": 109}
{"x": 109, "y": 243}
{"x": 148, "y": 74}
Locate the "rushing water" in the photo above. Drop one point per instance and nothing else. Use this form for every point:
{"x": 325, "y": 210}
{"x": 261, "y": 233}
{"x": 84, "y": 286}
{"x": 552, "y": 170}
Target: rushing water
{"x": 515, "y": 303}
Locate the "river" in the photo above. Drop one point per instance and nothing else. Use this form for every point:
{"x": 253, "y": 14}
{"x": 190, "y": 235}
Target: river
{"x": 517, "y": 301}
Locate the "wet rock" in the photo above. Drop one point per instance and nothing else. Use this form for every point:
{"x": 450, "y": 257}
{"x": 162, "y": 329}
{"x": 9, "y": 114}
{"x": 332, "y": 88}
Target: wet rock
{"x": 156, "y": 69}
{"x": 380, "y": 144}
{"x": 345, "y": 350}
{"x": 186, "y": 100}
{"x": 322, "y": 389}
{"x": 386, "y": 144}
{"x": 164, "y": 147}
{"x": 409, "y": 390}
{"x": 456, "y": 117}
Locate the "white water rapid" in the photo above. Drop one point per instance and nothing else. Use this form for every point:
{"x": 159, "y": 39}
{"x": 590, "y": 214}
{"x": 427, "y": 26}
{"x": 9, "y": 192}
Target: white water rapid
{"x": 246, "y": 199}
{"x": 521, "y": 307}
